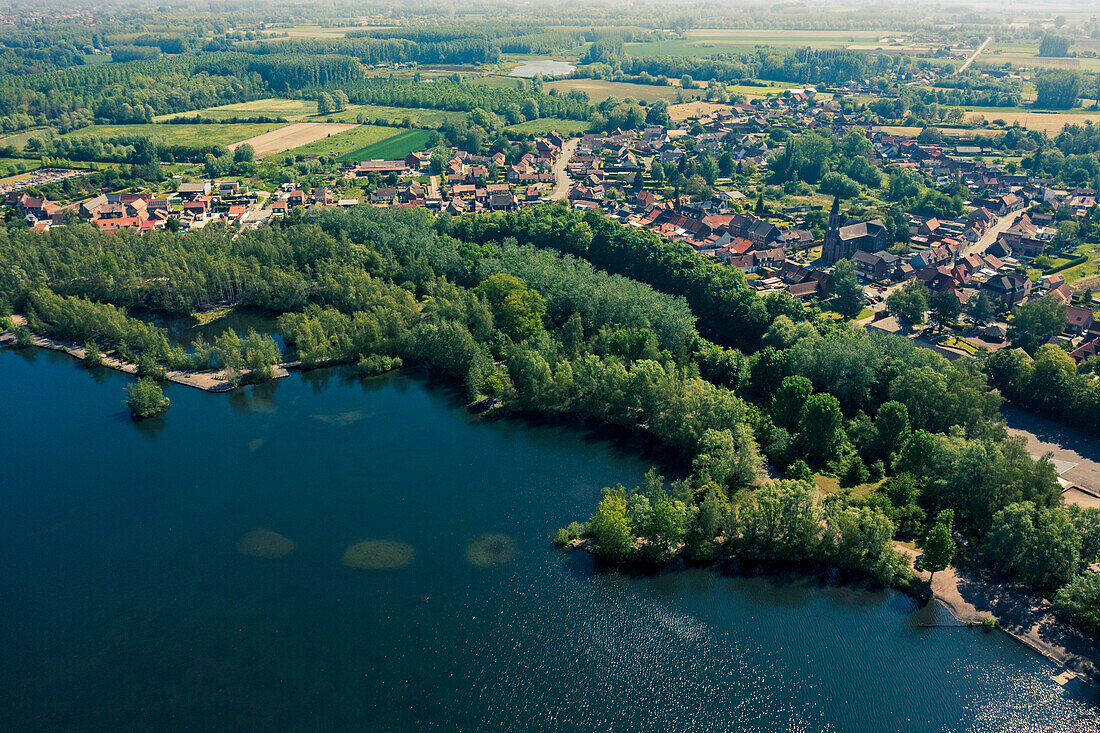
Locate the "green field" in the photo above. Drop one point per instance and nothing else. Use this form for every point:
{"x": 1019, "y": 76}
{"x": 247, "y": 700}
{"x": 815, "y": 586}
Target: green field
{"x": 1085, "y": 269}
{"x": 750, "y": 91}
{"x": 14, "y": 169}
{"x": 550, "y": 124}
{"x": 19, "y": 139}
{"x": 418, "y": 116}
{"x": 188, "y": 135}
{"x": 392, "y": 148}
{"x": 346, "y": 142}
{"x": 599, "y": 90}
{"x": 293, "y": 110}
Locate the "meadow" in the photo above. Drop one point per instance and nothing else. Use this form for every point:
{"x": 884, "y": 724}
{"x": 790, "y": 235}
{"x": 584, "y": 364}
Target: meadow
{"x": 549, "y": 124}
{"x": 186, "y": 135}
{"x": 599, "y": 90}
{"x": 288, "y": 109}
{"x": 711, "y": 41}
{"x": 419, "y": 116}
{"x": 18, "y": 140}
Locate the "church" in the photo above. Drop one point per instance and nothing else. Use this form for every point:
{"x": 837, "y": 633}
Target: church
{"x": 842, "y": 242}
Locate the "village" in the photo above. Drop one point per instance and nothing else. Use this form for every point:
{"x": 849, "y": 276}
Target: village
{"x": 990, "y": 251}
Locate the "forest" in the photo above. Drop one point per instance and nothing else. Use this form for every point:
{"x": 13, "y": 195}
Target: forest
{"x": 551, "y": 311}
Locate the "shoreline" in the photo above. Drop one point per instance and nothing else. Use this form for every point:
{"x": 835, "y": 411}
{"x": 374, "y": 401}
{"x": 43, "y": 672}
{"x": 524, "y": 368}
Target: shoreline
{"x": 1022, "y": 615}
{"x": 213, "y": 380}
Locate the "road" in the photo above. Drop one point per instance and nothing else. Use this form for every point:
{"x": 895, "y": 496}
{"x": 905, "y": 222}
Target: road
{"x": 990, "y": 237}
{"x": 561, "y": 188}
{"x": 1077, "y": 451}
{"x": 433, "y": 187}
{"x": 973, "y": 56}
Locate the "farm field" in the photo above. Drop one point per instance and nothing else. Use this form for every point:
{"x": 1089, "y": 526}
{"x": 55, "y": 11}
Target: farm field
{"x": 349, "y": 140}
{"x": 193, "y": 135}
{"x": 289, "y": 109}
{"x": 293, "y": 136}
{"x": 419, "y": 116}
{"x": 711, "y": 41}
{"x": 599, "y": 90}
{"x": 549, "y": 124}
{"x": 316, "y": 31}
{"x": 391, "y": 148}
{"x": 681, "y": 112}
{"x": 750, "y": 90}
{"x": 1049, "y": 122}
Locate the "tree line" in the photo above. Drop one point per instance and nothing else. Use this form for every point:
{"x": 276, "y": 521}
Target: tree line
{"x": 551, "y": 310}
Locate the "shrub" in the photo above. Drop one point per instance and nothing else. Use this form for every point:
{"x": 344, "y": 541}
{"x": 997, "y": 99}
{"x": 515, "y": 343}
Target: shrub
{"x": 145, "y": 398}
{"x": 375, "y": 364}
{"x": 799, "y": 471}
{"x": 93, "y": 357}
{"x": 23, "y": 337}
{"x": 148, "y": 367}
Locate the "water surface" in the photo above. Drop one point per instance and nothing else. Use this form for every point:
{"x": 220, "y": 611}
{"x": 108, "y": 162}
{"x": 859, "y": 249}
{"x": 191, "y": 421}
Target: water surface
{"x": 528, "y": 69}
{"x": 127, "y": 606}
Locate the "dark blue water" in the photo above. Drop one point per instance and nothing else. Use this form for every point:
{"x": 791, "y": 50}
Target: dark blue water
{"x": 126, "y": 606}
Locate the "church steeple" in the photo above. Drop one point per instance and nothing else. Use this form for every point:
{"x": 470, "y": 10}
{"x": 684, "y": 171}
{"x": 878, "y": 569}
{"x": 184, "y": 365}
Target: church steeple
{"x": 834, "y": 214}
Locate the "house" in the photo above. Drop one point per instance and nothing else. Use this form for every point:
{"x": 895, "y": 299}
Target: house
{"x": 381, "y": 167}
{"x": 34, "y": 206}
{"x": 198, "y": 208}
{"x": 193, "y": 190}
{"x": 1078, "y": 320}
{"x": 1011, "y": 288}
{"x": 296, "y": 198}
{"x": 875, "y": 265}
{"x": 322, "y": 196}
{"x": 502, "y": 202}
{"x": 383, "y": 195}
{"x": 1022, "y": 239}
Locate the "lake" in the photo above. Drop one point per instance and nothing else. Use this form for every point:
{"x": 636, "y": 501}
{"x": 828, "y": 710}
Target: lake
{"x": 127, "y": 605}
{"x": 528, "y": 69}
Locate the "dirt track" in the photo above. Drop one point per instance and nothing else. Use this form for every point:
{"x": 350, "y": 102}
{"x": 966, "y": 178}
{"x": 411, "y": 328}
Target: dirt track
{"x": 292, "y": 136}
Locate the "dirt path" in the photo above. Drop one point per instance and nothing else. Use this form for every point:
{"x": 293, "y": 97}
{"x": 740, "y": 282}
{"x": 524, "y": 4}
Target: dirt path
{"x": 973, "y": 56}
{"x": 292, "y": 136}
{"x": 214, "y": 380}
{"x": 561, "y": 188}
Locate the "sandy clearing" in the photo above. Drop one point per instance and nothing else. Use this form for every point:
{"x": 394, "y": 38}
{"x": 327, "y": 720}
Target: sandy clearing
{"x": 681, "y": 112}
{"x": 1049, "y": 122}
{"x": 292, "y": 136}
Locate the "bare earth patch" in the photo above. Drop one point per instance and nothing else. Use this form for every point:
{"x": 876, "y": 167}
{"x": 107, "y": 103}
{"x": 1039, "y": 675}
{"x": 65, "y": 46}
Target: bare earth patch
{"x": 681, "y": 112}
{"x": 292, "y": 136}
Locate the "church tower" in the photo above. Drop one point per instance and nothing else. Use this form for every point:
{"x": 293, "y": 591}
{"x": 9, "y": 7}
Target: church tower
{"x": 830, "y": 251}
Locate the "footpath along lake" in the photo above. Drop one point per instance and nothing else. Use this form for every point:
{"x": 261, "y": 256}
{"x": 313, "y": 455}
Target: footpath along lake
{"x": 129, "y": 604}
